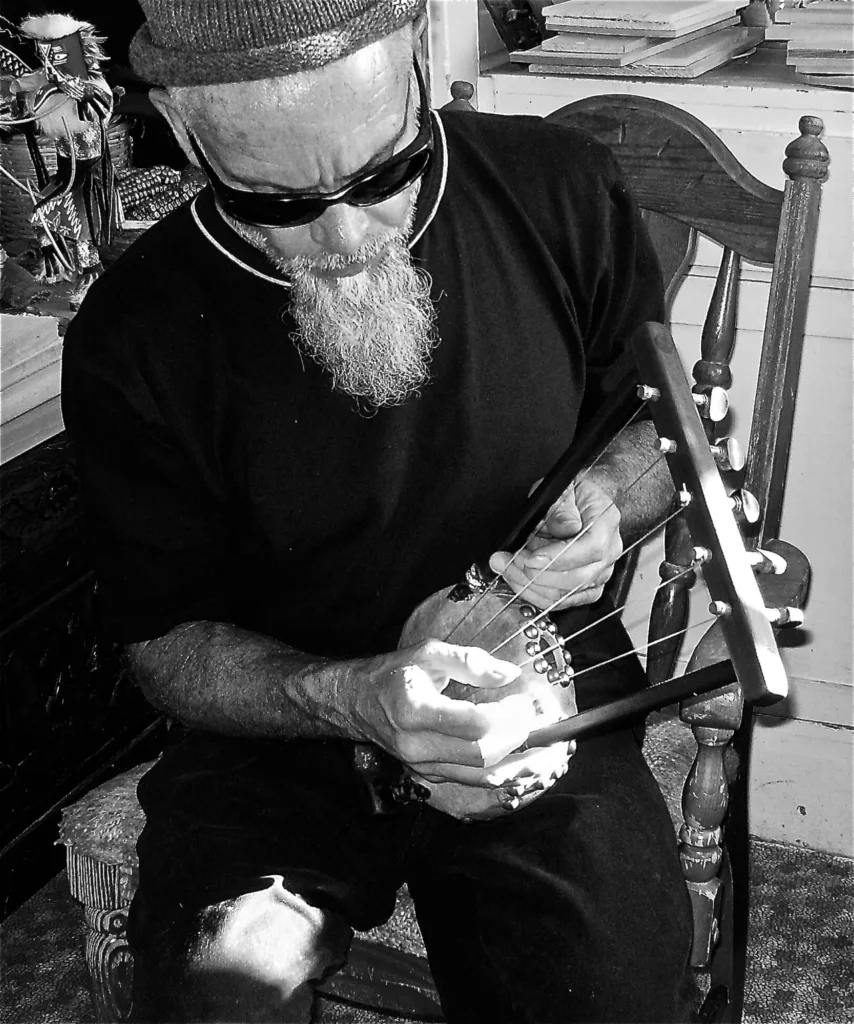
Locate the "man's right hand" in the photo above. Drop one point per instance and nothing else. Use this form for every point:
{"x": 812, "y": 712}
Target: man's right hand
{"x": 400, "y": 706}
{"x": 219, "y": 678}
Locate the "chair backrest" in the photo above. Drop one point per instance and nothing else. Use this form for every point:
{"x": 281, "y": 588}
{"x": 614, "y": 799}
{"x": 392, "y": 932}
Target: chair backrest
{"x": 687, "y": 182}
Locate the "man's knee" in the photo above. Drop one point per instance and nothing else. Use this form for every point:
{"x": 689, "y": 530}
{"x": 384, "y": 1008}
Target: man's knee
{"x": 252, "y": 958}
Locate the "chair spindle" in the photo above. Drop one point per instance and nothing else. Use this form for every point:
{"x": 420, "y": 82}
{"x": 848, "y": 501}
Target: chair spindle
{"x": 670, "y": 606}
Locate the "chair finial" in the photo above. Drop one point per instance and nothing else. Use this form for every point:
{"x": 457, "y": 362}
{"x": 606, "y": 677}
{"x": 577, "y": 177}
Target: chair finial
{"x": 461, "y": 93}
{"x": 807, "y": 156}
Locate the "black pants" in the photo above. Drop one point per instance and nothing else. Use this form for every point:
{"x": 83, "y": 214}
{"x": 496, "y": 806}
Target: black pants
{"x": 573, "y": 909}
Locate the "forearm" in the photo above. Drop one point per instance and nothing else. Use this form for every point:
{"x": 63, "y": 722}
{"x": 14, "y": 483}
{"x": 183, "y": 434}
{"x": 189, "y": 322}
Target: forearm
{"x": 219, "y": 678}
{"x": 215, "y": 677}
{"x": 634, "y": 473}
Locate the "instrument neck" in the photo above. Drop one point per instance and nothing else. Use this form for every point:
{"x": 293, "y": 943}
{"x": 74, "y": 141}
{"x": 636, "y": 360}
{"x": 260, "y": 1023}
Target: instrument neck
{"x": 611, "y": 418}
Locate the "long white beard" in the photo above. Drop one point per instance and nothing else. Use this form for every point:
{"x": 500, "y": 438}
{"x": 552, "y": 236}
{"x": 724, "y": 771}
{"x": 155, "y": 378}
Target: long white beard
{"x": 374, "y": 331}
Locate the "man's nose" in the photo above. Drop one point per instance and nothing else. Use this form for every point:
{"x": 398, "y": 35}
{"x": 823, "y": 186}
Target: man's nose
{"x": 342, "y": 229}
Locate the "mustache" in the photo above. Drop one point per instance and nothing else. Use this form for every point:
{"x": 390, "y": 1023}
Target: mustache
{"x": 372, "y": 249}
{"x": 330, "y": 261}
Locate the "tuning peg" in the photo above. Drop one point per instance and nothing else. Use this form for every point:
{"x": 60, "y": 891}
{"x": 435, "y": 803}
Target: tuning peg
{"x": 712, "y": 404}
{"x": 720, "y": 608}
{"x": 701, "y": 555}
{"x": 727, "y": 453}
{"x": 647, "y": 393}
{"x": 767, "y": 561}
{"x": 666, "y": 445}
{"x": 785, "y": 616}
{"x": 745, "y": 507}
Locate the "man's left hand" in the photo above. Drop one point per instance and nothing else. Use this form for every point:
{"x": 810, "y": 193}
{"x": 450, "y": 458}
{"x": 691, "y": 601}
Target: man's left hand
{"x": 571, "y": 557}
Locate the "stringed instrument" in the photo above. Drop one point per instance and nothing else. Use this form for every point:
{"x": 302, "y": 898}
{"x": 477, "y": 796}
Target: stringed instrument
{"x": 483, "y": 610}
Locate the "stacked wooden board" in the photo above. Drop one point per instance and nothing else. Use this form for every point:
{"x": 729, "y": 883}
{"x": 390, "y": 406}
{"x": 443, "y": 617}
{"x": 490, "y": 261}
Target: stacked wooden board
{"x": 819, "y": 40}
{"x": 664, "y": 39}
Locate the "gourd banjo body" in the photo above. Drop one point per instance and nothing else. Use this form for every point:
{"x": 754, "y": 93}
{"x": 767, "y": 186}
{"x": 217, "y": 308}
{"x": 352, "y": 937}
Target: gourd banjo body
{"x": 488, "y": 614}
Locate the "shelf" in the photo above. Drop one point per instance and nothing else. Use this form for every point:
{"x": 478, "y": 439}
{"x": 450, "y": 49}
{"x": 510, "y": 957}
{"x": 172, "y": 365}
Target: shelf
{"x": 764, "y": 75}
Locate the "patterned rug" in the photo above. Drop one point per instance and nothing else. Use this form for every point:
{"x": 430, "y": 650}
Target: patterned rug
{"x": 800, "y": 971}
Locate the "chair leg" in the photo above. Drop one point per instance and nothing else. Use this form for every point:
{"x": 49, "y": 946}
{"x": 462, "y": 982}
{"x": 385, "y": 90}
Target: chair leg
{"x": 110, "y": 964}
{"x": 704, "y": 805}
{"x": 728, "y": 966}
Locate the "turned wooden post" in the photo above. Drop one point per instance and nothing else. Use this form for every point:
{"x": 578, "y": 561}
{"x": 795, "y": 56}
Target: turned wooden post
{"x": 713, "y": 721}
{"x": 713, "y": 378}
{"x": 806, "y": 166}
{"x": 670, "y": 604}
{"x": 712, "y": 370}
{"x": 705, "y": 799}
{"x": 705, "y": 796}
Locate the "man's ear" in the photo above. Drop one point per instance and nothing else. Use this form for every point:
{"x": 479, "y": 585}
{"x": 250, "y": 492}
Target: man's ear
{"x": 162, "y": 101}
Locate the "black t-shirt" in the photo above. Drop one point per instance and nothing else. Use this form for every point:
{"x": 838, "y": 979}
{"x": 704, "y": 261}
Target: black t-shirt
{"x": 225, "y": 479}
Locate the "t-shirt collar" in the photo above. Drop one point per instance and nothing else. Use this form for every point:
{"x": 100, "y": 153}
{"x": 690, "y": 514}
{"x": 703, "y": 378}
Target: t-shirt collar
{"x": 223, "y": 237}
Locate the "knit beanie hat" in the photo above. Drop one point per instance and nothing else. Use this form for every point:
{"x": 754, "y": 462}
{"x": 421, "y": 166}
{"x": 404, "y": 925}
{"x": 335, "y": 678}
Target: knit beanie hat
{"x": 209, "y": 42}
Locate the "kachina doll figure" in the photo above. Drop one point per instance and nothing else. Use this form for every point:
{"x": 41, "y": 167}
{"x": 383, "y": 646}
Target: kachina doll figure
{"x": 71, "y": 103}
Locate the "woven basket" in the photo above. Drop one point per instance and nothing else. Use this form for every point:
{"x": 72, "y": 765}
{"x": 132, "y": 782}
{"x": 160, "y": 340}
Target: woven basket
{"x": 16, "y": 207}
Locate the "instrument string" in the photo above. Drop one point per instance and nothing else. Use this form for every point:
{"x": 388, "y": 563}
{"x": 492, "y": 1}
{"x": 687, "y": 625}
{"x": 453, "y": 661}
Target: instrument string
{"x": 625, "y": 654}
{"x": 568, "y": 543}
{"x": 622, "y": 608}
{"x": 545, "y": 611}
{"x": 494, "y": 583}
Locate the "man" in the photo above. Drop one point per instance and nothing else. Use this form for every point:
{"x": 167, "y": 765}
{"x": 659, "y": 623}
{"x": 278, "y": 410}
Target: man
{"x": 301, "y": 406}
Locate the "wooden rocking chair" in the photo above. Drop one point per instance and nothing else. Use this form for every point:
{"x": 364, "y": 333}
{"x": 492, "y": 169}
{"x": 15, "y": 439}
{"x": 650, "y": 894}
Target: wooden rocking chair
{"x": 686, "y": 182}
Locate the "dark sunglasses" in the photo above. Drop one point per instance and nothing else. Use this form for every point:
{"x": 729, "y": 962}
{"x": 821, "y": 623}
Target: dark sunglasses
{"x": 285, "y": 210}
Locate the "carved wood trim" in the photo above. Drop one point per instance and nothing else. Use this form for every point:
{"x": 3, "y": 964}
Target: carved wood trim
{"x": 110, "y": 964}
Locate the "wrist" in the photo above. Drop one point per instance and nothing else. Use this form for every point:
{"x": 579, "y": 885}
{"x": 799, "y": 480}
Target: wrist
{"x": 349, "y": 693}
